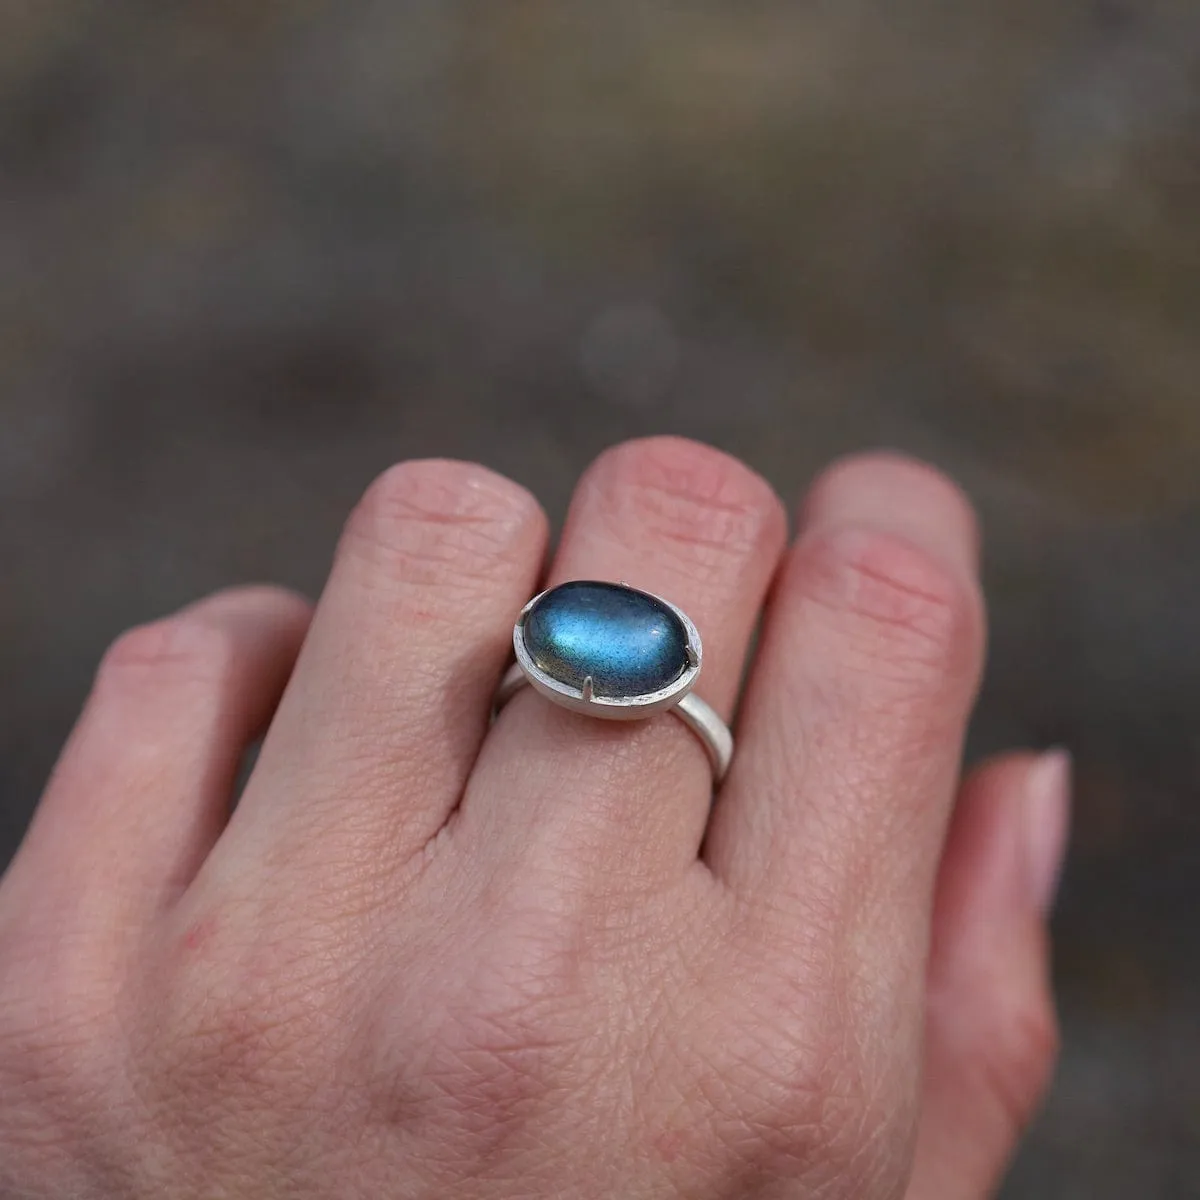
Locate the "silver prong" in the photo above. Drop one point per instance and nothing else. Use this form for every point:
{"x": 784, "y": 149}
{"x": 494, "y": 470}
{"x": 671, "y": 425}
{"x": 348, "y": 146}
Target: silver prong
{"x": 692, "y": 657}
{"x": 587, "y": 690}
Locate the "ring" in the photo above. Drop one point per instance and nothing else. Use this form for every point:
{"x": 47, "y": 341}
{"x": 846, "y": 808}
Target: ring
{"x": 611, "y": 651}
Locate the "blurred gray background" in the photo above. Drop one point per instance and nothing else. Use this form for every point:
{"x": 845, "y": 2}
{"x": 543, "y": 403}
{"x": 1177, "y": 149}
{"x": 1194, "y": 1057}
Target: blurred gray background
{"x": 251, "y": 254}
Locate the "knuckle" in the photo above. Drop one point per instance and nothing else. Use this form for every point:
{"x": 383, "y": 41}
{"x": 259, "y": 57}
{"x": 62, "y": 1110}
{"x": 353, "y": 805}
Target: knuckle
{"x": 686, "y": 493}
{"x": 511, "y": 1038}
{"x": 182, "y": 649}
{"x": 239, "y": 1043}
{"x": 52, "y": 1043}
{"x": 495, "y": 1069}
{"x": 907, "y": 612}
{"x": 432, "y": 522}
{"x": 815, "y": 1085}
{"x": 250, "y": 1031}
{"x": 810, "y": 1102}
{"x": 59, "y": 1035}
{"x": 1015, "y": 1059}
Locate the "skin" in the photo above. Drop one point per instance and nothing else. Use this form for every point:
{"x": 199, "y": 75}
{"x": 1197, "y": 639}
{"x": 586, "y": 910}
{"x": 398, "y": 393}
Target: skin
{"x": 431, "y": 957}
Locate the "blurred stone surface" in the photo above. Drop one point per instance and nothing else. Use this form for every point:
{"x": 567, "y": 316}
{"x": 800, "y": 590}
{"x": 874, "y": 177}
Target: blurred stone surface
{"x": 252, "y": 254}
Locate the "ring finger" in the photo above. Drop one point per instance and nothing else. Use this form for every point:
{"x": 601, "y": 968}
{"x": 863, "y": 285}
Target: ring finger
{"x": 698, "y": 528}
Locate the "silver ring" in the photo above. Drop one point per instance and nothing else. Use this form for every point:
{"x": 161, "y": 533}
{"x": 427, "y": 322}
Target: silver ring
{"x": 613, "y": 651}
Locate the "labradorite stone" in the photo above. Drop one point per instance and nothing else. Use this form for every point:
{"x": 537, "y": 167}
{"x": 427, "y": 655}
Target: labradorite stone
{"x": 629, "y": 643}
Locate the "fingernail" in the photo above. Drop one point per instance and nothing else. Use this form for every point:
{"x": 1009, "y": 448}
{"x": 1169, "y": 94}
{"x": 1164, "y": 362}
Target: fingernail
{"x": 1047, "y": 818}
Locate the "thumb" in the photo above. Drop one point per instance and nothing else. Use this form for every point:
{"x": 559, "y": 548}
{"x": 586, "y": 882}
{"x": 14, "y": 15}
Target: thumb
{"x": 991, "y": 1031}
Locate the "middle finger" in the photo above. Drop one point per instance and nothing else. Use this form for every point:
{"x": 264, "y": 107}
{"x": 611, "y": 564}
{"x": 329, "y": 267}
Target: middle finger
{"x": 698, "y": 528}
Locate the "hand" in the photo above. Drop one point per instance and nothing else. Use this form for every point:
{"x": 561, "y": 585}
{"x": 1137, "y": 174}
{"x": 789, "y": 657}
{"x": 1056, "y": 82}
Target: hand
{"x": 426, "y": 957}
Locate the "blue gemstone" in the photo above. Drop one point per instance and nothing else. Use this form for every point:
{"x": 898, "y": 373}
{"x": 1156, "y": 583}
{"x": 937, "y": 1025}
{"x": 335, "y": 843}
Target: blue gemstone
{"x": 629, "y": 643}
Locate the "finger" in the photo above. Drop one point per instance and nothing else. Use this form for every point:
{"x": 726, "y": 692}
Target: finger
{"x": 697, "y": 527}
{"x": 990, "y": 1025}
{"x": 145, "y": 784}
{"x": 389, "y": 702}
{"x": 850, "y": 737}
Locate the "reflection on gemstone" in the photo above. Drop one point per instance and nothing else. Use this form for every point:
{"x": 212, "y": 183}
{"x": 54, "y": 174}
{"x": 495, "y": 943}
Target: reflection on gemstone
{"x": 629, "y": 643}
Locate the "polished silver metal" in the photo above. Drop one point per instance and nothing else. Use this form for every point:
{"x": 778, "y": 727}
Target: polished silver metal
{"x": 677, "y": 698}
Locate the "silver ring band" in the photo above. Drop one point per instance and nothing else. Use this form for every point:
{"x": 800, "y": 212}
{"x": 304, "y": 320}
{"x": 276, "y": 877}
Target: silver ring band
{"x": 698, "y": 715}
{"x": 611, "y": 651}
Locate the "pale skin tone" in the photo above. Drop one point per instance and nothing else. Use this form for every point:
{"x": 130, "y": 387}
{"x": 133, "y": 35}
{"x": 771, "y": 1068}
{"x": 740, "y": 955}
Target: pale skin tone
{"x": 432, "y": 957}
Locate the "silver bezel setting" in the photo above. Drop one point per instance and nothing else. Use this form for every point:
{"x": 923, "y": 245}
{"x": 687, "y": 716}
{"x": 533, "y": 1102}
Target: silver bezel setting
{"x": 611, "y": 708}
